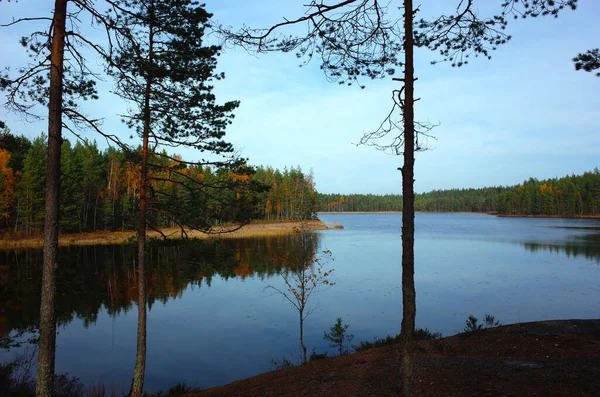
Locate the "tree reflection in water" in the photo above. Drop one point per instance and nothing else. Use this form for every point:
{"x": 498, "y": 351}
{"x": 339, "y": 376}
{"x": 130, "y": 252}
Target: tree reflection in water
{"x": 93, "y": 278}
{"x": 587, "y": 246}
{"x": 303, "y": 274}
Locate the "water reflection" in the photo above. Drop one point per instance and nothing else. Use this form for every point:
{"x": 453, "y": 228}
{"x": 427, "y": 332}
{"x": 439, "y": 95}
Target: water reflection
{"x": 586, "y": 244}
{"x": 575, "y": 249}
{"x": 302, "y": 277}
{"x": 92, "y": 278}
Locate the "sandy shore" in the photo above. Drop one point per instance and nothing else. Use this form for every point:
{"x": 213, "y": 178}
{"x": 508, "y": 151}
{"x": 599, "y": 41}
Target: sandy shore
{"x": 257, "y": 229}
{"x": 358, "y": 212}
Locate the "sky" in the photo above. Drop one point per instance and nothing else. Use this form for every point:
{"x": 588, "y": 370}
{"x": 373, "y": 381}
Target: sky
{"x": 524, "y": 113}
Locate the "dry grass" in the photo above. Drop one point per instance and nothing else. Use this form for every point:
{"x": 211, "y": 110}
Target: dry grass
{"x": 255, "y": 229}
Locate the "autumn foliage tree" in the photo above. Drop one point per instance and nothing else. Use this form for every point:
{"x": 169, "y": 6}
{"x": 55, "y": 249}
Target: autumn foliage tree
{"x": 7, "y": 185}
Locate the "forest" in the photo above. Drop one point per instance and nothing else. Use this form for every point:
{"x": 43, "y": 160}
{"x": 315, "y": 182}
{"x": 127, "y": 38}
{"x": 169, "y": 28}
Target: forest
{"x": 101, "y": 192}
{"x": 574, "y": 195}
{"x": 101, "y": 189}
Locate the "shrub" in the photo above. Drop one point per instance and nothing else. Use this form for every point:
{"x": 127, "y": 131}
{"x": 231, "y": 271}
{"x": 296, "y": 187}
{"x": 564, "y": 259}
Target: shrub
{"x": 176, "y": 391}
{"x": 338, "y": 336}
{"x": 419, "y": 334}
{"x": 472, "y": 323}
{"x": 284, "y": 363}
{"x": 314, "y": 356}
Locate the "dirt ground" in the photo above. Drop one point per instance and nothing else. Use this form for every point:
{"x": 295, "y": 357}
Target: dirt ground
{"x": 255, "y": 229}
{"x": 550, "y": 358}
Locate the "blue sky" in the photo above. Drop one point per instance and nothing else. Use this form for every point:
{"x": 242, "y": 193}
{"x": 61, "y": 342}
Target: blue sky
{"x": 525, "y": 113}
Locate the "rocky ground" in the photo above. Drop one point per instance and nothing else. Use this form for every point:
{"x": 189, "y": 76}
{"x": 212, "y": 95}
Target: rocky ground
{"x": 550, "y": 358}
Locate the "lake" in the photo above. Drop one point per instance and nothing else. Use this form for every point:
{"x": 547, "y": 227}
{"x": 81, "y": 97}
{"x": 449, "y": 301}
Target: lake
{"x": 212, "y": 318}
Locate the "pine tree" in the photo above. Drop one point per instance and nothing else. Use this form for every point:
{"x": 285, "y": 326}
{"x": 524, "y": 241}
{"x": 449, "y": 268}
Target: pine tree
{"x": 164, "y": 69}
{"x": 361, "y": 38}
{"x": 31, "y": 188}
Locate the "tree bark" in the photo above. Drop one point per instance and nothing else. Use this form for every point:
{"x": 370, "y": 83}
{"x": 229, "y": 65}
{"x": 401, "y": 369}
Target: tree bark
{"x": 139, "y": 371}
{"x": 47, "y": 344}
{"x": 304, "y": 359}
{"x": 408, "y": 210}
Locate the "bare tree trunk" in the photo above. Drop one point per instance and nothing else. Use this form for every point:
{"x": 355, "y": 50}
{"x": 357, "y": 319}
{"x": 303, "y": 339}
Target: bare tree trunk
{"x": 47, "y": 344}
{"x": 408, "y": 210}
{"x": 17, "y": 218}
{"x": 95, "y": 212}
{"x": 139, "y": 371}
{"x": 304, "y": 360}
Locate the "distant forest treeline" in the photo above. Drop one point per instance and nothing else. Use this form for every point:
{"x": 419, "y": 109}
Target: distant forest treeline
{"x": 575, "y": 195}
{"x": 100, "y": 189}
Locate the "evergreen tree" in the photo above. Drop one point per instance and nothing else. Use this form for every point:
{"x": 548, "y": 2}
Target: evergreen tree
{"x": 31, "y": 188}
{"x": 588, "y": 61}
{"x": 72, "y": 193}
{"x": 57, "y": 78}
{"x": 164, "y": 69}
{"x": 17, "y": 146}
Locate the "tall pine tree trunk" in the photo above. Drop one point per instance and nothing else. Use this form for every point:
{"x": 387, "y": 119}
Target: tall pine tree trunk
{"x": 408, "y": 210}
{"x": 47, "y": 344}
{"x": 139, "y": 371}
{"x": 137, "y": 386}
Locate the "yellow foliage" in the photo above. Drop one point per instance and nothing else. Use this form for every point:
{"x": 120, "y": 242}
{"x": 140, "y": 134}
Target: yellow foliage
{"x": 268, "y": 207}
{"x": 544, "y": 188}
{"x": 241, "y": 177}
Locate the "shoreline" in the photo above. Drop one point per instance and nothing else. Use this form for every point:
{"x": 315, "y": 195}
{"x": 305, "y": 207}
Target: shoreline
{"x": 552, "y": 357}
{"x": 545, "y": 216}
{"x": 399, "y": 212}
{"x": 467, "y": 212}
{"x": 357, "y": 212}
{"x": 255, "y": 229}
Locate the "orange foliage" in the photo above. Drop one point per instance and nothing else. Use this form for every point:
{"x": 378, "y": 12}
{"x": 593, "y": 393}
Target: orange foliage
{"x": 7, "y": 185}
{"x": 546, "y": 188}
{"x": 241, "y": 177}
{"x": 243, "y": 271}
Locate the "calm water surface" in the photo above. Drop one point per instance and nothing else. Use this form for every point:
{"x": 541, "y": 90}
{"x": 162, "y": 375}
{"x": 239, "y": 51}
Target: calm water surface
{"x": 212, "y": 320}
